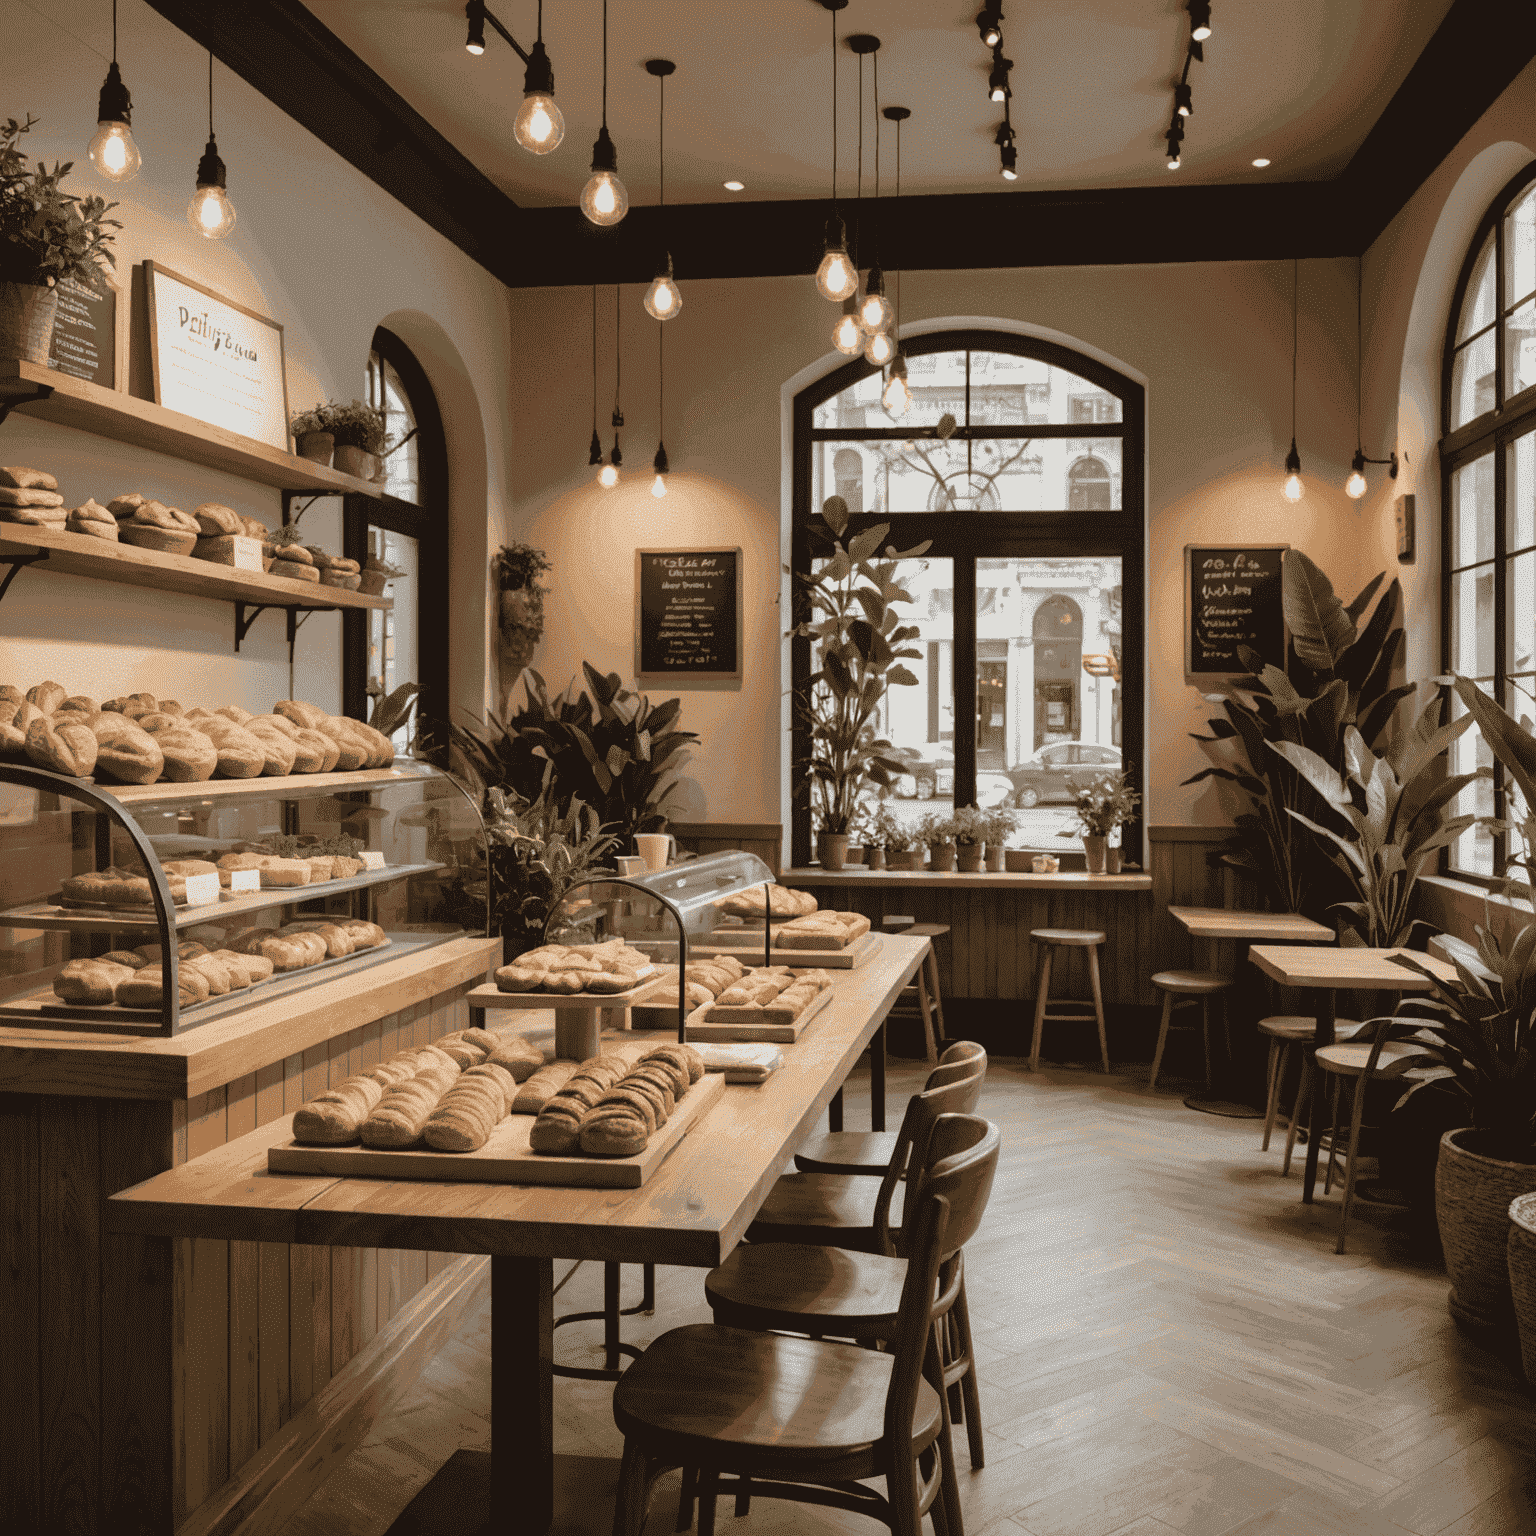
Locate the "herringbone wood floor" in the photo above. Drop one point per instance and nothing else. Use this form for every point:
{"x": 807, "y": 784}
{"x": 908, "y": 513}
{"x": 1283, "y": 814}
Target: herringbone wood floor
{"x": 1167, "y": 1341}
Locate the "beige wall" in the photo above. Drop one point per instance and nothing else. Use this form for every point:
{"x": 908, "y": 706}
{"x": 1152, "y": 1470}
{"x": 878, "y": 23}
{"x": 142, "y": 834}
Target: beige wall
{"x": 318, "y": 248}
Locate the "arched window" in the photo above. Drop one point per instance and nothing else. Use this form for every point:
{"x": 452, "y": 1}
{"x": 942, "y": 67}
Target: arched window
{"x": 1008, "y": 442}
{"x": 1488, "y": 494}
{"x": 408, "y": 528}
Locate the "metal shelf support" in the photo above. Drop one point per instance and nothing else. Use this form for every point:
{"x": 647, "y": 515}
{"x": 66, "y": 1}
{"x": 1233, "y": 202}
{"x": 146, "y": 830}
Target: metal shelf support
{"x": 42, "y": 392}
{"x": 16, "y": 565}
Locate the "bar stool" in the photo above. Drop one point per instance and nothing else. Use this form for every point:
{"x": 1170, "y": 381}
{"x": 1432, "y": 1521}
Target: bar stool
{"x": 923, "y": 992}
{"x": 1180, "y": 988}
{"x": 613, "y": 1345}
{"x": 1285, "y": 1032}
{"x": 1053, "y": 939}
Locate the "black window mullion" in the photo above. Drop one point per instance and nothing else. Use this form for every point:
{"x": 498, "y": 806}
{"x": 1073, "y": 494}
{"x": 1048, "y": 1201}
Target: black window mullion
{"x": 1500, "y": 623}
{"x": 1498, "y": 312}
{"x": 963, "y": 671}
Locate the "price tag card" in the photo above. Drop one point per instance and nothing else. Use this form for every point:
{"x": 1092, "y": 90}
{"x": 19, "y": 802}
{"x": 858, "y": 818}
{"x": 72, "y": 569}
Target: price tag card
{"x": 243, "y": 881}
{"x": 372, "y": 859}
{"x": 247, "y": 553}
{"x": 202, "y": 889}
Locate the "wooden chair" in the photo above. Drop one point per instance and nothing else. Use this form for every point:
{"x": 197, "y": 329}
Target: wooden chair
{"x": 834, "y": 1293}
{"x": 846, "y": 1210}
{"x": 811, "y": 1420}
{"x": 1285, "y": 1032}
{"x": 921, "y": 996}
{"x": 1068, "y": 938}
{"x": 1179, "y": 988}
{"x": 869, "y": 1152}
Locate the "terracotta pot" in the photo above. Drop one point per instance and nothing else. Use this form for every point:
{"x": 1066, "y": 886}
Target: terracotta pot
{"x": 316, "y": 446}
{"x": 874, "y": 856}
{"x": 968, "y": 857}
{"x": 832, "y": 849}
{"x": 1018, "y": 861}
{"x": 904, "y": 858}
{"x": 994, "y": 858}
{"x": 1112, "y": 858}
{"x": 1522, "y": 1277}
{"x": 355, "y": 461}
{"x": 1095, "y": 849}
{"x": 26, "y": 321}
{"x": 941, "y": 857}
{"x": 855, "y": 855}
{"x": 1473, "y": 1194}
{"x": 372, "y": 582}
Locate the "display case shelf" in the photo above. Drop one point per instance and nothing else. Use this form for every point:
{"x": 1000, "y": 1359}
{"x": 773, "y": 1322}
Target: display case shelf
{"x": 276, "y": 788}
{"x": 48, "y": 916}
{"x": 125, "y": 418}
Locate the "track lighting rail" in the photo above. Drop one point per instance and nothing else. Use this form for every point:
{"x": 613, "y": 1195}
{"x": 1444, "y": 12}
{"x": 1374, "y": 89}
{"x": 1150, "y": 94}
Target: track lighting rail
{"x": 477, "y": 11}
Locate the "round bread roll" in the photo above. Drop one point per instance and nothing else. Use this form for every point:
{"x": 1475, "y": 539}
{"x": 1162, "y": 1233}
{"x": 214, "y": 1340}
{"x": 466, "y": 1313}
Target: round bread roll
{"x": 10, "y": 693}
{"x": 80, "y": 704}
{"x": 213, "y": 519}
{"x": 47, "y": 696}
{"x": 254, "y": 528}
{"x": 170, "y": 707}
{"x": 94, "y": 520}
{"x": 125, "y": 751}
{"x": 190, "y": 757}
{"x": 296, "y": 554}
{"x": 13, "y": 730}
{"x": 67, "y": 748}
{"x": 124, "y": 506}
{"x": 155, "y": 514}
{"x": 155, "y": 721}
{"x": 282, "y": 753}
{"x": 316, "y": 747}
{"x": 235, "y": 713}
{"x": 240, "y": 755}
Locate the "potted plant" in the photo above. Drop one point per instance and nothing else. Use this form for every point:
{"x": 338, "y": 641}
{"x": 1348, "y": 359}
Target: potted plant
{"x": 517, "y": 570}
{"x": 898, "y": 840}
{"x": 997, "y": 827}
{"x": 937, "y": 833}
{"x": 1105, "y": 802}
{"x": 970, "y": 839}
{"x": 358, "y": 430}
{"x": 313, "y": 440}
{"x": 375, "y": 573}
{"x": 859, "y": 645}
{"x": 47, "y": 237}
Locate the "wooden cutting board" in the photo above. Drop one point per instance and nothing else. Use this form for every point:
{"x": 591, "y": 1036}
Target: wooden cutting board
{"x": 772, "y": 1033}
{"x": 507, "y": 1158}
{"x": 749, "y": 944}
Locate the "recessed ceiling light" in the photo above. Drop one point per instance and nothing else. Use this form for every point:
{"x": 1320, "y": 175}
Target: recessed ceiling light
{"x": 735, "y": 186}
{"x": 1261, "y": 162}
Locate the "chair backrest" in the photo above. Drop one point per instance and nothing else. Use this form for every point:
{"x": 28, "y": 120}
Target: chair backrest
{"x": 923, "y": 1110}
{"x": 974, "y": 1061}
{"x": 962, "y": 1050}
{"x": 947, "y": 1206}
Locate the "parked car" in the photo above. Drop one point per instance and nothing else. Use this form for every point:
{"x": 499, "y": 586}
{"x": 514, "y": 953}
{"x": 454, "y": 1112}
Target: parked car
{"x": 1045, "y": 776}
{"x": 925, "y": 777}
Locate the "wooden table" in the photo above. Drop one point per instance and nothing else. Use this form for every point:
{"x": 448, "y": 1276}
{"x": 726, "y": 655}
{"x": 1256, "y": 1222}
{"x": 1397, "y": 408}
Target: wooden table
{"x": 1324, "y": 971}
{"x": 693, "y": 1211}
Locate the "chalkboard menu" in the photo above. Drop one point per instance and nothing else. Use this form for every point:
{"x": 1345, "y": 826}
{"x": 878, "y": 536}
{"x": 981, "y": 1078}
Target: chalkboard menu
{"x": 1232, "y": 598}
{"x": 687, "y": 614}
{"x": 85, "y": 334}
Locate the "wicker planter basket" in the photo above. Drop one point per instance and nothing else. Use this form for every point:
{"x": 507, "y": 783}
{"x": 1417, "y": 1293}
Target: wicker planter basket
{"x": 968, "y": 857}
{"x": 1473, "y": 1194}
{"x": 941, "y": 857}
{"x": 1522, "y": 1277}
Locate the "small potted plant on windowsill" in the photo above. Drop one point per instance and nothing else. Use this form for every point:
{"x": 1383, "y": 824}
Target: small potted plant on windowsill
{"x": 997, "y": 827}
{"x": 938, "y": 834}
{"x": 312, "y": 439}
{"x": 1105, "y": 802}
{"x": 898, "y": 841}
{"x": 970, "y": 839}
{"x": 359, "y": 433}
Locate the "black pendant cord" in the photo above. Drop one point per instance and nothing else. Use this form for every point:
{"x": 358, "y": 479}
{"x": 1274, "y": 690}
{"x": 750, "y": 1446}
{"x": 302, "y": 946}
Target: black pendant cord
{"x": 833, "y": 15}
{"x": 605, "y": 63}
{"x": 876, "y": 62}
{"x": 1295, "y": 322}
{"x": 858, "y": 206}
{"x": 541, "y": 20}
{"x": 618, "y": 355}
{"x": 661, "y": 138}
{"x": 594, "y": 361}
{"x": 114, "y": 31}
{"x": 210, "y": 93}
{"x": 897, "y": 323}
{"x": 1359, "y": 354}
{"x": 661, "y": 384}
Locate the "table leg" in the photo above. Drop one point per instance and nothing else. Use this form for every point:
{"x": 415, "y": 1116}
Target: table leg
{"x": 522, "y": 1393}
{"x": 877, "y": 1079}
{"x": 835, "y": 1111}
{"x": 577, "y": 1032}
{"x": 1326, "y": 1006}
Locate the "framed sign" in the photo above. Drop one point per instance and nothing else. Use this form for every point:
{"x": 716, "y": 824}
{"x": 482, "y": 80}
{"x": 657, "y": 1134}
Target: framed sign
{"x": 215, "y": 360}
{"x": 87, "y": 342}
{"x": 1231, "y": 598}
{"x": 687, "y": 615}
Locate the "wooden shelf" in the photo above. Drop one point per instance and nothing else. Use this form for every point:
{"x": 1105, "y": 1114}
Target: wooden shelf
{"x": 49, "y": 915}
{"x": 127, "y": 419}
{"x": 287, "y": 787}
{"x": 78, "y": 554}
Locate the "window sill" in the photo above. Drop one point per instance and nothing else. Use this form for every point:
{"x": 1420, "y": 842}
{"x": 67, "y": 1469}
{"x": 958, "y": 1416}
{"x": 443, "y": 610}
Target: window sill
{"x": 1065, "y": 881}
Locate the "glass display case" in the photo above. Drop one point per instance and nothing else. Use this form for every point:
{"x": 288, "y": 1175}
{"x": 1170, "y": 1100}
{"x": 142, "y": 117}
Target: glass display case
{"x": 152, "y": 909}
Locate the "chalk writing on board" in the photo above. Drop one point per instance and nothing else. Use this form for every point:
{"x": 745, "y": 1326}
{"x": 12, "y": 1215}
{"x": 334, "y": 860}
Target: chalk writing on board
{"x": 1233, "y": 601}
{"x": 688, "y": 603}
{"x": 84, "y": 342}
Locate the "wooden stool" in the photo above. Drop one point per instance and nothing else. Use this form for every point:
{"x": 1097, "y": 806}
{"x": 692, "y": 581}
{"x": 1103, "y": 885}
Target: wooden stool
{"x": 1068, "y": 938}
{"x": 613, "y": 1345}
{"x": 922, "y": 994}
{"x": 1180, "y": 987}
{"x": 1286, "y": 1031}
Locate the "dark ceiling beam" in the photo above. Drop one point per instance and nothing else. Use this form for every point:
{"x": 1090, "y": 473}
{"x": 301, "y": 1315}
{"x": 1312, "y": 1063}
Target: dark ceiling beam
{"x": 1474, "y": 56}
{"x": 279, "y": 49}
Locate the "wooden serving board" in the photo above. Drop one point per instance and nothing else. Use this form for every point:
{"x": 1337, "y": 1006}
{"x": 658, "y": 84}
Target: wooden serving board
{"x": 702, "y": 1028}
{"x": 507, "y": 1158}
{"x": 862, "y": 949}
{"x": 489, "y": 995}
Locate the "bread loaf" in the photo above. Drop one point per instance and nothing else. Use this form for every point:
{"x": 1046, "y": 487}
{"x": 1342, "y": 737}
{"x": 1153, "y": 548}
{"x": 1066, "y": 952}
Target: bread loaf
{"x": 67, "y": 748}
{"x": 190, "y": 757}
{"x": 91, "y": 981}
{"x": 541, "y": 1086}
{"x": 683, "y": 1055}
{"x": 16, "y": 716}
{"x": 125, "y": 751}
{"x": 240, "y": 754}
{"x": 465, "y": 1116}
{"x": 92, "y": 519}
{"x": 145, "y": 988}
{"x": 517, "y": 1055}
{"x": 11, "y": 496}
{"x": 20, "y": 478}
{"x": 337, "y": 941}
{"x": 129, "y": 957}
{"x": 123, "y": 507}
{"x": 47, "y": 696}
{"x": 401, "y": 1115}
{"x": 213, "y": 519}
{"x": 335, "y": 1117}
{"x": 284, "y": 872}
{"x": 279, "y": 752}
{"x": 613, "y": 1131}
{"x": 364, "y": 935}
{"x": 79, "y": 704}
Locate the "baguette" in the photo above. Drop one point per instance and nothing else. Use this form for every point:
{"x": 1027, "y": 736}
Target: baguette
{"x": 466, "y": 1114}
{"x": 335, "y": 1117}
{"x": 401, "y": 1115}
{"x": 541, "y": 1086}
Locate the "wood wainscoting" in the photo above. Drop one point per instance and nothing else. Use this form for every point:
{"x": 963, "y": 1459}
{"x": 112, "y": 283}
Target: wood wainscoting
{"x": 764, "y": 838}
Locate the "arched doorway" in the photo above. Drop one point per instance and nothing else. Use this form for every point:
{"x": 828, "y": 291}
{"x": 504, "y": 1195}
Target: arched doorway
{"x": 1088, "y": 486}
{"x": 1058, "y": 635}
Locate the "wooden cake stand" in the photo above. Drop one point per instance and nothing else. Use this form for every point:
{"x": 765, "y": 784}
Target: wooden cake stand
{"x": 580, "y": 1018}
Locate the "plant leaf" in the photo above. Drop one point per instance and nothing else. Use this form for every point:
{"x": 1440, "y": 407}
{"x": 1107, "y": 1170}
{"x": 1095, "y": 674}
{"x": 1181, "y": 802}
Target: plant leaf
{"x": 1321, "y": 630}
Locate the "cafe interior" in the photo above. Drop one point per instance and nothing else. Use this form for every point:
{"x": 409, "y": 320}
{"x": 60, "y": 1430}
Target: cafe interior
{"x": 936, "y": 646}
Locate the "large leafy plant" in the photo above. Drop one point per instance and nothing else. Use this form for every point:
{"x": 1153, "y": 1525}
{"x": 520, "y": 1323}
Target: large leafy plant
{"x": 1338, "y": 676}
{"x": 614, "y": 751}
{"x": 1385, "y": 819}
{"x": 1513, "y": 744}
{"x": 859, "y": 643}
{"x": 47, "y": 235}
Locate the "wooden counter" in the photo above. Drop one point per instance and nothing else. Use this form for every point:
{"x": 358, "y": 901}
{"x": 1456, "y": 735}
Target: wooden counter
{"x": 1067, "y": 881}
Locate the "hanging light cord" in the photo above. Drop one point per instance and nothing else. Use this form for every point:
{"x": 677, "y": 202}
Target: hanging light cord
{"x": 833, "y": 15}
{"x": 661, "y": 137}
{"x": 1295, "y": 310}
{"x": 1359, "y": 357}
{"x": 594, "y": 359}
{"x": 618, "y": 359}
{"x": 541, "y": 19}
{"x": 114, "y": 31}
{"x": 210, "y": 93}
{"x": 605, "y": 62}
{"x": 898, "y": 199}
{"x": 661, "y": 383}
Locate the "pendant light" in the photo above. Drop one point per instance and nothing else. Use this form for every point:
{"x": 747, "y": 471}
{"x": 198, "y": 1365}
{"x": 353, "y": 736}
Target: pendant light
{"x": 539, "y": 126}
{"x": 608, "y": 475}
{"x": 663, "y": 298}
{"x": 1292, "y": 489}
{"x": 897, "y": 395}
{"x": 836, "y": 277}
{"x": 875, "y": 312}
{"x": 604, "y": 199}
{"x": 1355, "y": 486}
{"x": 659, "y": 463}
{"x": 595, "y": 453}
{"x": 848, "y": 334}
{"x": 112, "y": 150}
{"x": 210, "y": 212}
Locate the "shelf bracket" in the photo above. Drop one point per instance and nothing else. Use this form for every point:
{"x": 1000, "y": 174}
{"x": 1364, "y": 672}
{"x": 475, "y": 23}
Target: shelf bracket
{"x": 244, "y": 618}
{"x": 17, "y": 564}
{"x": 42, "y": 392}
{"x": 295, "y": 624}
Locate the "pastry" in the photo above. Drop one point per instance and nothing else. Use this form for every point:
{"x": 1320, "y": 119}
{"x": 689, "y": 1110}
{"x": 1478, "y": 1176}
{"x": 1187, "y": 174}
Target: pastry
{"x": 91, "y": 981}
{"x": 538, "y": 1089}
{"x": 47, "y": 696}
{"x": 280, "y": 872}
{"x": 34, "y": 517}
{"x": 240, "y": 755}
{"x": 66, "y": 747}
{"x": 343, "y": 868}
{"x": 320, "y": 868}
{"x": 229, "y": 863}
{"x": 334, "y": 1118}
{"x": 190, "y": 757}
{"x": 13, "y": 496}
{"x": 825, "y": 930}
{"x": 213, "y": 519}
{"x": 752, "y": 903}
{"x": 124, "y": 751}
{"x": 92, "y": 518}
{"x": 186, "y": 867}
{"x": 123, "y": 507}
{"x": 466, "y": 1114}
{"x": 20, "y": 478}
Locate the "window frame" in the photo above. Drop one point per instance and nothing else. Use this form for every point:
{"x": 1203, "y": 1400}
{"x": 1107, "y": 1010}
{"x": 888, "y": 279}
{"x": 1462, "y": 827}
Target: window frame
{"x": 966, "y": 537}
{"x": 1492, "y": 432}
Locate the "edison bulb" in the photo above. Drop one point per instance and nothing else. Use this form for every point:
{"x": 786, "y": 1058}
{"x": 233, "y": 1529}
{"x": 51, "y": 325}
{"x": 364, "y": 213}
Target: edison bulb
{"x": 1354, "y": 487}
{"x": 604, "y": 199}
{"x": 897, "y": 398}
{"x": 211, "y": 213}
{"x": 608, "y": 476}
{"x": 836, "y": 277}
{"x": 880, "y": 349}
{"x": 875, "y": 312}
{"x": 848, "y": 334}
{"x": 538, "y": 126}
{"x": 1291, "y": 490}
{"x": 663, "y": 298}
{"x": 113, "y": 152}
{"x": 1173, "y": 162}
{"x": 659, "y": 487}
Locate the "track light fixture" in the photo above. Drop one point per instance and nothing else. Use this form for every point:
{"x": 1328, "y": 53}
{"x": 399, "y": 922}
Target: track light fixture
{"x": 1007, "y": 151}
{"x": 112, "y": 150}
{"x": 1175, "y": 141}
{"x": 604, "y": 199}
{"x": 608, "y": 475}
{"x": 1199, "y": 20}
{"x": 210, "y": 212}
{"x": 538, "y": 126}
{"x": 997, "y": 81}
{"x": 1291, "y": 489}
{"x": 989, "y": 23}
{"x": 1183, "y": 99}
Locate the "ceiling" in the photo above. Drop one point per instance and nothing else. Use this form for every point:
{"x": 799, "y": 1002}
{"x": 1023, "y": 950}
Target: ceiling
{"x": 1298, "y": 81}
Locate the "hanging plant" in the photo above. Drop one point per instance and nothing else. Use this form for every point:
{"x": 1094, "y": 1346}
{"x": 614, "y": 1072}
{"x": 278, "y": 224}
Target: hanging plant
{"x": 520, "y": 607}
